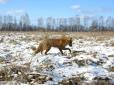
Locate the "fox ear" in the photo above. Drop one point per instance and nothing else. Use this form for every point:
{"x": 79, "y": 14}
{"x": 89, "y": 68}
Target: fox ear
{"x": 71, "y": 39}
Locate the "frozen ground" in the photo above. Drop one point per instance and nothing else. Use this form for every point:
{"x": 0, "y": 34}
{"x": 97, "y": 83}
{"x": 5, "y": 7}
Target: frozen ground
{"x": 92, "y": 57}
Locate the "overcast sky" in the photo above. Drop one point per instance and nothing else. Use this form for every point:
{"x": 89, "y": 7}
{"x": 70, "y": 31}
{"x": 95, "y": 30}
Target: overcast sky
{"x": 57, "y": 8}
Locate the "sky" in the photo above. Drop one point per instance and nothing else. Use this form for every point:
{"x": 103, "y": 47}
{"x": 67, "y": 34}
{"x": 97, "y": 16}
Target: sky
{"x": 57, "y": 8}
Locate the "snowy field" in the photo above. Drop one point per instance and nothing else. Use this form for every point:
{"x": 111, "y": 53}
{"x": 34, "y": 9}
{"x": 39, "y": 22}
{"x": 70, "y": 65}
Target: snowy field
{"x": 91, "y": 59}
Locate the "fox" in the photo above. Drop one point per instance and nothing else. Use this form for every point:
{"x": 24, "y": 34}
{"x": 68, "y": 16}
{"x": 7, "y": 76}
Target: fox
{"x": 59, "y": 43}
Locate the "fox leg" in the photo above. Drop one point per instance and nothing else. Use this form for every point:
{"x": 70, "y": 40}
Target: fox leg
{"x": 67, "y": 49}
{"x": 47, "y": 50}
{"x": 61, "y": 50}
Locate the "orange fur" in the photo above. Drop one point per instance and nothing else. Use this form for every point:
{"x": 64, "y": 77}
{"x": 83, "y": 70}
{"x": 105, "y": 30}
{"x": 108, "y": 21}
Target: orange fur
{"x": 59, "y": 43}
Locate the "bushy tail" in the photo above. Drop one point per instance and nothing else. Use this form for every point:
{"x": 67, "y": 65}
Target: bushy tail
{"x": 37, "y": 50}
{"x": 33, "y": 48}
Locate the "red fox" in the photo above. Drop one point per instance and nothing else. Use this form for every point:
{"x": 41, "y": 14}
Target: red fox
{"x": 59, "y": 43}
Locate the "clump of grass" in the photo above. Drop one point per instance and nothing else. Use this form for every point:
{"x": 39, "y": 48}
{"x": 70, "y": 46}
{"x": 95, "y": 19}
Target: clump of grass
{"x": 1, "y": 59}
{"x": 112, "y": 69}
{"x": 71, "y": 81}
{"x": 112, "y": 43}
{"x": 75, "y": 53}
{"x": 80, "y": 63}
{"x": 100, "y": 38}
{"x": 102, "y": 80}
{"x": 5, "y": 74}
{"x": 81, "y": 41}
{"x": 81, "y": 37}
{"x": 1, "y": 40}
{"x": 13, "y": 42}
{"x": 111, "y": 55}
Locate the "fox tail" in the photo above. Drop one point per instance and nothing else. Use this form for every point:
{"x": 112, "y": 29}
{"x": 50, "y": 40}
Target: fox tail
{"x": 37, "y": 50}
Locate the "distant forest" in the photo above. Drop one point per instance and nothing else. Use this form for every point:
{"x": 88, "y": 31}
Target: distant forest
{"x": 69, "y": 24}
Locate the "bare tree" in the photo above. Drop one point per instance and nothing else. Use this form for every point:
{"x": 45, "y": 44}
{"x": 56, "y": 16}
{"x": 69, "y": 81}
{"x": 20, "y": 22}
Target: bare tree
{"x": 40, "y": 23}
{"x": 86, "y": 22}
{"x": 77, "y": 23}
{"x": 71, "y": 23}
{"x": 0, "y": 22}
{"x": 49, "y": 23}
{"x": 101, "y": 23}
{"x": 25, "y": 22}
{"x": 94, "y": 25}
{"x": 109, "y": 23}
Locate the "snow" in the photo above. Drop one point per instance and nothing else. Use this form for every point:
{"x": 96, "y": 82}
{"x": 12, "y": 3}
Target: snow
{"x": 17, "y": 50}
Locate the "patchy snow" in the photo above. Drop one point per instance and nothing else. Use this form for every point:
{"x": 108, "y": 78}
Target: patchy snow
{"x": 16, "y": 49}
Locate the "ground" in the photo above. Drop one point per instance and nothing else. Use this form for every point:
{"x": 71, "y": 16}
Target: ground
{"x": 92, "y": 58}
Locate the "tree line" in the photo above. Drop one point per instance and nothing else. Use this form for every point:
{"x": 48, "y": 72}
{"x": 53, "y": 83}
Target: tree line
{"x": 70, "y": 24}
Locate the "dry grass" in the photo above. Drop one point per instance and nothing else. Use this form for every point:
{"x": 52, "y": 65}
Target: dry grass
{"x": 75, "y": 34}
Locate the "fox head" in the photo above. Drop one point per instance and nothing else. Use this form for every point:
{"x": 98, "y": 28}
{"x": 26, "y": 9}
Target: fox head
{"x": 68, "y": 39}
